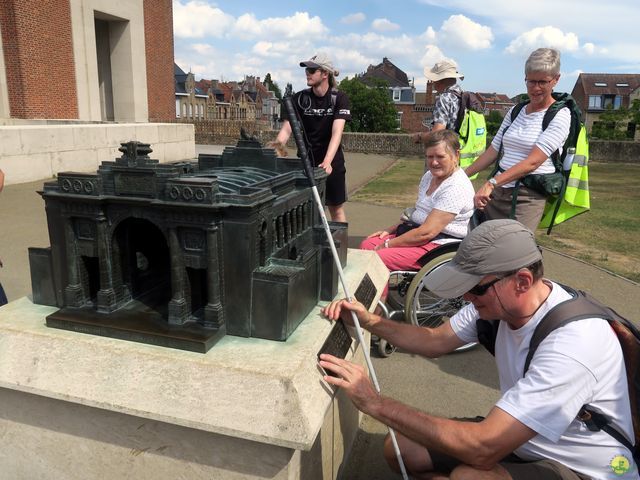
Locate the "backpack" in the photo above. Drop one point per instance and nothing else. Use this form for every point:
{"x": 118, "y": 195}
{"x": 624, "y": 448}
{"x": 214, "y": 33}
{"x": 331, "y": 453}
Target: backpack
{"x": 567, "y": 189}
{"x": 471, "y": 127}
{"x": 306, "y": 93}
{"x": 582, "y": 306}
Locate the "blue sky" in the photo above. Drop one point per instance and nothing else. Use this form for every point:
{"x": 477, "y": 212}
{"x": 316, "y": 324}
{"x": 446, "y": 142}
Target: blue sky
{"x": 489, "y": 40}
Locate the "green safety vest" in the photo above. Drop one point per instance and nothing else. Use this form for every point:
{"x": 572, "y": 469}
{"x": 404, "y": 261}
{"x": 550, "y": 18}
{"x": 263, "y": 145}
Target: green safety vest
{"x": 576, "y": 195}
{"x": 473, "y": 138}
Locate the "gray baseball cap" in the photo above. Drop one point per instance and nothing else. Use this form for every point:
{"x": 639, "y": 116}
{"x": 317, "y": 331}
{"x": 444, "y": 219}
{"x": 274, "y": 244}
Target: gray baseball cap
{"x": 321, "y": 60}
{"x": 495, "y": 246}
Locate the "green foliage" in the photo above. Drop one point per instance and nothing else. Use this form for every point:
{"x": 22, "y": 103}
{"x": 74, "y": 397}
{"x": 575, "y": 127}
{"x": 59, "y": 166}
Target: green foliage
{"x": 271, "y": 85}
{"x": 493, "y": 121}
{"x": 372, "y": 109}
{"x": 614, "y": 124}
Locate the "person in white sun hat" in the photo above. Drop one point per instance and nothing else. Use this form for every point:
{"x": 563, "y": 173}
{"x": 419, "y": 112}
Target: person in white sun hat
{"x": 444, "y": 76}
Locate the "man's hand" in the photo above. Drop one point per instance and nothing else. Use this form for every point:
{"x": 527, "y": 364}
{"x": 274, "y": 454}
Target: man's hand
{"x": 353, "y": 380}
{"x": 279, "y": 147}
{"x": 343, "y": 308}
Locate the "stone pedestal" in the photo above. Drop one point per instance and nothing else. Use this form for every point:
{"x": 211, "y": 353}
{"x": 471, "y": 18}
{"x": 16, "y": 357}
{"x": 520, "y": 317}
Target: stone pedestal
{"x": 78, "y": 406}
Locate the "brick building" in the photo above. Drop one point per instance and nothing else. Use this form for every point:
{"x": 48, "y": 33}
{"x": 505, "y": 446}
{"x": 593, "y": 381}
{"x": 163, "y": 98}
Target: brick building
{"x": 414, "y": 108}
{"x": 75, "y": 71}
{"x": 597, "y": 92}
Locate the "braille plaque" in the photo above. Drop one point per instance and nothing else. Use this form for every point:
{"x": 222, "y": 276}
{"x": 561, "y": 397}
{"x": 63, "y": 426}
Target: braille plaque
{"x": 337, "y": 343}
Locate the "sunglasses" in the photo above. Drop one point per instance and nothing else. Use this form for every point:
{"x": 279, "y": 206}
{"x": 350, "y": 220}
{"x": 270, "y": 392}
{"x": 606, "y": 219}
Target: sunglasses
{"x": 311, "y": 70}
{"x": 480, "y": 290}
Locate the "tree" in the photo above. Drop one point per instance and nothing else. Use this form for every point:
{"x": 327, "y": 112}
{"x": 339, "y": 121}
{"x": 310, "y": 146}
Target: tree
{"x": 271, "y": 85}
{"x": 372, "y": 109}
{"x": 493, "y": 121}
{"x": 619, "y": 124}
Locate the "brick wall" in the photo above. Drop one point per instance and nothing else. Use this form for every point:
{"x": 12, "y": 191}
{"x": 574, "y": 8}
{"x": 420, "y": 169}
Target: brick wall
{"x": 412, "y": 119}
{"x": 38, "y": 54}
{"x": 158, "y": 27}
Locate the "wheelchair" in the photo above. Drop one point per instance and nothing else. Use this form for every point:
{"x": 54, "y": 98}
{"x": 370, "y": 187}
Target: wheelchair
{"x": 409, "y": 300}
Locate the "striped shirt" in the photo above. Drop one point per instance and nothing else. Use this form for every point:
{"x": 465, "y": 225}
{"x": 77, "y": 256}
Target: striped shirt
{"x": 525, "y": 133}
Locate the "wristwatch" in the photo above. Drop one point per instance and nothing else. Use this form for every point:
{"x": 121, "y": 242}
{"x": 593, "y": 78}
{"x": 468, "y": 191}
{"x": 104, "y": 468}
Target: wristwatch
{"x": 493, "y": 182}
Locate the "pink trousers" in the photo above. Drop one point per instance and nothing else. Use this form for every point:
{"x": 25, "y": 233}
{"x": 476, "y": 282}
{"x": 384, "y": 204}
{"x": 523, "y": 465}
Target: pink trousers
{"x": 398, "y": 258}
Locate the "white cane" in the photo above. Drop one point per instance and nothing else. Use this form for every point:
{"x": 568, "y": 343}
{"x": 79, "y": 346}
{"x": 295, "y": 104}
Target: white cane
{"x": 296, "y": 129}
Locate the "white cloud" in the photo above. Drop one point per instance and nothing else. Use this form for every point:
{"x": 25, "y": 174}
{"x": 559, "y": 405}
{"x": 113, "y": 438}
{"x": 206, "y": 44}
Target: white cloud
{"x": 433, "y": 55}
{"x": 353, "y": 18}
{"x": 543, "y": 37}
{"x": 384, "y": 25}
{"x": 298, "y": 25}
{"x": 196, "y": 19}
{"x": 203, "y": 49}
{"x": 429, "y": 35}
{"x": 461, "y": 32}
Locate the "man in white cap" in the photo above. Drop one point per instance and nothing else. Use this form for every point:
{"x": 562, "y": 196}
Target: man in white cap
{"x": 324, "y": 112}
{"x": 444, "y": 76}
{"x": 532, "y": 431}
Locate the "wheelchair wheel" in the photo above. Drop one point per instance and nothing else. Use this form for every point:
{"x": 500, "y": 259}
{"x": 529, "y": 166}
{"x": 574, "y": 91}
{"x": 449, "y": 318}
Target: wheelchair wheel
{"x": 385, "y": 349}
{"x": 425, "y": 309}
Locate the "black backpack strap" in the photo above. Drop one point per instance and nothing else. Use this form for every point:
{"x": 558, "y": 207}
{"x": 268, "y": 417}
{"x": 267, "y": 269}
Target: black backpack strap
{"x": 582, "y": 306}
{"x": 487, "y": 333}
{"x": 462, "y": 97}
{"x": 596, "y": 421}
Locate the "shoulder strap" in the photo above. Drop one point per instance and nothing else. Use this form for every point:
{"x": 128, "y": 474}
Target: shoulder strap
{"x": 517, "y": 108}
{"x": 334, "y": 97}
{"x": 461, "y": 109}
{"x": 487, "y": 331}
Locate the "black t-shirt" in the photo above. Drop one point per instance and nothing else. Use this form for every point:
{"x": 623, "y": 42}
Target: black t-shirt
{"x": 317, "y": 116}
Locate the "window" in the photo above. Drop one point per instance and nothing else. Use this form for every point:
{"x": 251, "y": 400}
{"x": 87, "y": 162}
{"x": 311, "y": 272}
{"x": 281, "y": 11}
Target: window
{"x": 600, "y": 84}
{"x": 177, "y": 108}
{"x": 595, "y": 101}
{"x": 617, "y": 102}
{"x": 622, "y": 84}
{"x": 396, "y": 95}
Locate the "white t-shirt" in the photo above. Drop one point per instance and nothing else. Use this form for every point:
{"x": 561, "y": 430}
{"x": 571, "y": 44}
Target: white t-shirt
{"x": 453, "y": 195}
{"x": 526, "y": 132}
{"x": 580, "y": 363}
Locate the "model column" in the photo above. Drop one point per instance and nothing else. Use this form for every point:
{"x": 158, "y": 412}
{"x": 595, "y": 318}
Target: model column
{"x": 213, "y": 313}
{"x": 106, "y": 295}
{"x": 178, "y": 306}
{"x": 73, "y": 293}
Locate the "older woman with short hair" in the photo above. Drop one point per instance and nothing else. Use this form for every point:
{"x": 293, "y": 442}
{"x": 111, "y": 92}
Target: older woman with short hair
{"x": 442, "y": 211}
{"x": 526, "y": 147}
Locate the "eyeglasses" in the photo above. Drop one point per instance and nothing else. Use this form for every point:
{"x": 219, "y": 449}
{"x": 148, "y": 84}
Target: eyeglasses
{"x": 311, "y": 70}
{"x": 537, "y": 83}
{"x": 480, "y": 290}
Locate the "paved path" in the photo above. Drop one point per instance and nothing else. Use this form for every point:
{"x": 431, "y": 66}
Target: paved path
{"x": 463, "y": 384}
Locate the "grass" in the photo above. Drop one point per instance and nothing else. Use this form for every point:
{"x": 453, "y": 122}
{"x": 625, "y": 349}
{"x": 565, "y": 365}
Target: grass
{"x": 607, "y": 236}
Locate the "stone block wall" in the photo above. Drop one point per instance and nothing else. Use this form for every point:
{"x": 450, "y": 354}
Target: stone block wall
{"x": 227, "y": 133}
{"x": 614, "y": 152}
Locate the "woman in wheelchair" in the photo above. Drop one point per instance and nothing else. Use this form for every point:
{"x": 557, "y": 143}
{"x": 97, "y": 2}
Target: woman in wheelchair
{"x": 442, "y": 211}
